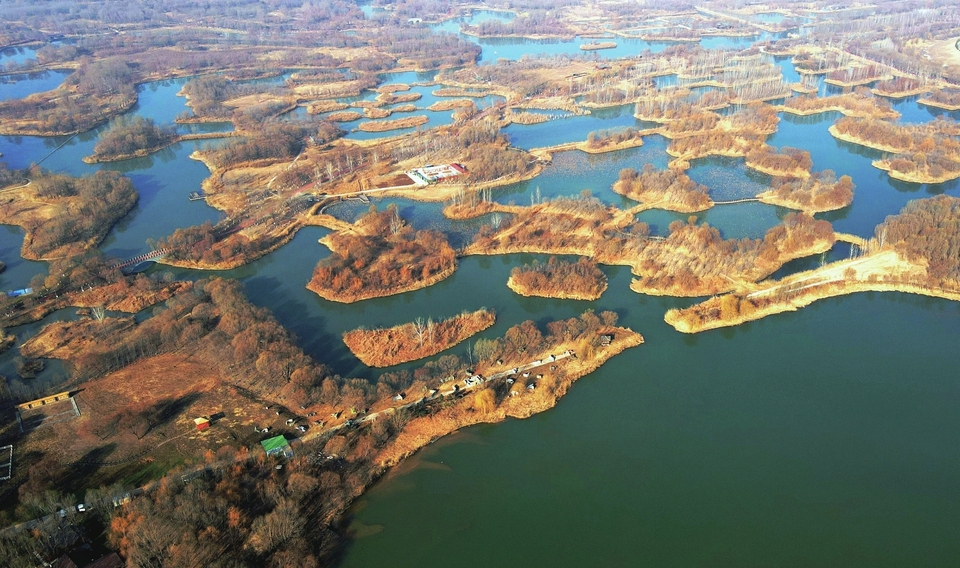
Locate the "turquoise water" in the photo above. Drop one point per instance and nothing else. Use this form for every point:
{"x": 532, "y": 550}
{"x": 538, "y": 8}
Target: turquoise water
{"x": 809, "y": 439}
{"x": 825, "y": 437}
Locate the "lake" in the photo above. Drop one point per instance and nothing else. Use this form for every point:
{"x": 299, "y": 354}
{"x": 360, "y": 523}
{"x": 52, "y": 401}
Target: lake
{"x": 825, "y": 437}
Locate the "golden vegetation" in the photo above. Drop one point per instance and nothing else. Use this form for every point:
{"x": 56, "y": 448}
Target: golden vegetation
{"x": 858, "y": 103}
{"x": 912, "y": 252}
{"x": 820, "y": 192}
{"x": 415, "y": 340}
{"x": 925, "y": 153}
{"x": 694, "y": 260}
{"x": 667, "y": 189}
{"x": 381, "y": 256}
{"x": 948, "y": 99}
{"x": 581, "y": 280}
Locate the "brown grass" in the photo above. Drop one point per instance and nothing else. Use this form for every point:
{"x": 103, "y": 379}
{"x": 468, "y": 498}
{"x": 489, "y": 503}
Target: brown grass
{"x": 415, "y": 340}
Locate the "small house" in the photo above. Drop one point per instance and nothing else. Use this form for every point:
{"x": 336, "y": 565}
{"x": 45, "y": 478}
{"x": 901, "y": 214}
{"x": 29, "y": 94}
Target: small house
{"x": 278, "y": 445}
{"x": 202, "y": 423}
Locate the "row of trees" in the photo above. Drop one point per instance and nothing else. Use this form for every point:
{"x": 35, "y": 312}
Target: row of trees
{"x": 790, "y": 162}
{"x": 928, "y": 231}
{"x": 950, "y": 97}
{"x": 855, "y": 103}
{"x": 605, "y": 138}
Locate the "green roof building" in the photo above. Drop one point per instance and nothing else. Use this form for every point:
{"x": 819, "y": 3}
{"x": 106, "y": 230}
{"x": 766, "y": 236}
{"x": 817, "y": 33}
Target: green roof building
{"x": 276, "y": 446}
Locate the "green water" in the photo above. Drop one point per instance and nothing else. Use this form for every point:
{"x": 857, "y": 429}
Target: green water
{"x": 825, "y": 437}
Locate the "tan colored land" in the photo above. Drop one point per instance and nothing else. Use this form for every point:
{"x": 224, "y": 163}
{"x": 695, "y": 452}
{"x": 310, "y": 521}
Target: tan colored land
{"x": 851, "y": 104}
{"x": 916, "y": 176}
{"x": 460, "y": 92}
{"x": 377, "y": 113}
{"x": 348, "y": 116}
{"x": 880, "y": 271}
{"x": 320, "y": 107}
{"x": 450, "y": 104}
{"x": 559, "y": 279}
{"x": 25, "y": 207}
{"x": 862, "y": 142}
{"x": 393, "y": 98}
{"x": 525, "y": 118}
{"x": 597, "y": 46}
{"x": 415, "y": 340}
{"x": 399, "y": 124}
{"x": 937, "y": 104}
{"x": 771, "y": 198}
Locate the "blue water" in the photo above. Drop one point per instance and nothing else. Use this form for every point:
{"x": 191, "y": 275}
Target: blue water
{"x": 20, "y": 86}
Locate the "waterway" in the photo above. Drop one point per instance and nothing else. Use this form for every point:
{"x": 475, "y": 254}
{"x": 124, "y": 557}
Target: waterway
{"x": 825, "y": 437}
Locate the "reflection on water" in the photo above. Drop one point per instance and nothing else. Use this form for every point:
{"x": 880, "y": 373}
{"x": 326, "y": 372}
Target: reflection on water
{"x": 729, "y": 446}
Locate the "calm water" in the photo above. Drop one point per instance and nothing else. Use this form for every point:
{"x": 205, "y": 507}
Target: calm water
{"x": 825, "y": 437}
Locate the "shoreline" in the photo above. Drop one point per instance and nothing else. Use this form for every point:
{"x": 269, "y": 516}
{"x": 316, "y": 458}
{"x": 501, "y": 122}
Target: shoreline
{"x": 144, "y": 152}
{"x": 381, "y": 293}
{"x": 835, "y": 108}
{"x": 865, "y": 143}
{"x": 917, "y": 177}
{"x": 373, "y": 346}
{"x": 822, "y": 292}
{"x": 398, "y": 124}
{"x": 436, "y": 426}
{"x": 770, "y": 198}
{"x": 528, "y": 293}
{"x": 936, "y": 104}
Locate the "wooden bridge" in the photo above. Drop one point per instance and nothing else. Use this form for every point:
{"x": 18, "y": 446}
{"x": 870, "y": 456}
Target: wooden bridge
{"x": 152, "y": 255}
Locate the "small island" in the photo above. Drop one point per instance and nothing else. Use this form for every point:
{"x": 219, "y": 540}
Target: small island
{"x": 380, "y": 256}
{"x": 859, "y": 103}
{"x": 594, "y": 45}
{"x": 947, "y": 99}
{"x": 415, "y": 340}
{"x": 398, "y": 124}
{"x": 667, "y": 189}
{"x": 131, "y": 137}
{"x": 581, "y": 280}
{"x": 818, "y": 193}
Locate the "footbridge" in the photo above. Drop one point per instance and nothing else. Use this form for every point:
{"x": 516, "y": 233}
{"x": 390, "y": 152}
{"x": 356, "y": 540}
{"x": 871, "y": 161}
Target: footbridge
{"x": 152, "y": 255}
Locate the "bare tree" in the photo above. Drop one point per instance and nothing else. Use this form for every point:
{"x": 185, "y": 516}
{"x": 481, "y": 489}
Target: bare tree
{"x": 419, "y": 330}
